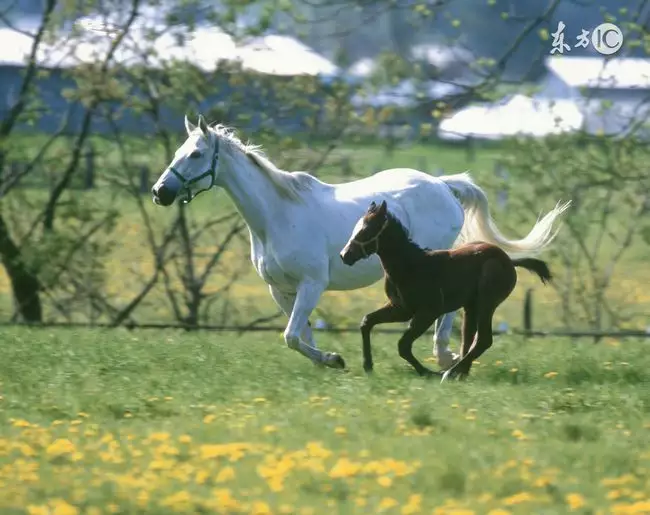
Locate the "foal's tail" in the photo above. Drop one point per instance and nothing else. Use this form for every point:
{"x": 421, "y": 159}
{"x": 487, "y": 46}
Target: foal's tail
{"x": 535, "y": 265}
{"x": 479, "y": 225}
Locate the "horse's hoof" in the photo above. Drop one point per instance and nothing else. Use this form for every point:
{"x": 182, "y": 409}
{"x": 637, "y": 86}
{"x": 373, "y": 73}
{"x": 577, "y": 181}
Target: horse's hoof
{"x": 447, "y": 376}
{"x": 334, "y": 360}
{"x": 447, "y": 360}
{"x": 368, "y": 370}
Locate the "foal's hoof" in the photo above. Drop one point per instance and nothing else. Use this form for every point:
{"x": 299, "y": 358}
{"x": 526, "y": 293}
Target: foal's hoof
{"x": 334, "y": 360}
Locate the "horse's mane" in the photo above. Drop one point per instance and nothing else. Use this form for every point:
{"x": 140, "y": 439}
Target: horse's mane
{"x": 287, "y": 183}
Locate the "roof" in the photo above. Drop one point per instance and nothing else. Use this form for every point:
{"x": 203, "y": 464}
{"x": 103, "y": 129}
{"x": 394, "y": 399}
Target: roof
{"x": 516, "y": 115}
{"x": 205, "y": 47}
{"x": 597, "y": 72}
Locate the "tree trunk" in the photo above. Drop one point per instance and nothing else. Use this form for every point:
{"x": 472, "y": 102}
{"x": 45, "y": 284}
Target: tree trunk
{"x": 25, "y": 285}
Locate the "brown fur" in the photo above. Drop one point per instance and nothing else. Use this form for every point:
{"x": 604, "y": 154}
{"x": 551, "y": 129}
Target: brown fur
{"x": 421, "y": 285}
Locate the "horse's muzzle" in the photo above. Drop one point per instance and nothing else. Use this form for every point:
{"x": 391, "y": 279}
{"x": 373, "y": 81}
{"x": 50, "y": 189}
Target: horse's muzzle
{"x": 162, "y": 195}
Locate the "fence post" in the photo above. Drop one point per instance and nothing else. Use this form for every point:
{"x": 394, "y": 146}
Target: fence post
{"x": 144, "y": 180}
{"x": 528, "y": 312}
{"x": 89, "y": 178}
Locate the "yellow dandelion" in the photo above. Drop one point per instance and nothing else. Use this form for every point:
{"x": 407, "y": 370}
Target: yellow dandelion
{"x": 384, "y": 481}
{"x": 413, "y": 505}
{"x": 128, "y": 414}
{"x": 269, "y": 429}
{"x": 225, "y": 474}
{"x": 259, "y": 400}
{"x": 340, "y": 430}
{"x": 575, "y": 501}
{"x": 519, "y": 498}
{"x": 360, "y": 502}
{"x": 179, "y": 501}
{"x": 83, "y": 414}
{"x": 168, "y": 398}
{"x": 519, "y": 434}
{"x": 209, "y": 418}
{"x": 286, "y": 509}
{"x": 514, "y": 370}
{"x": 20, "y": 423}
{"x": 61, "y": 507}
{"x": 550, "y": 375}
{"x": 260, "y": 508}
{"x": 158, "y": 437}
{"x": 498, "y": 362}
{"x": 60, "y": 447}
{"x": 387, "y": 503}
{"x": 185, "y": 439}
{"x": 38, "y": 510}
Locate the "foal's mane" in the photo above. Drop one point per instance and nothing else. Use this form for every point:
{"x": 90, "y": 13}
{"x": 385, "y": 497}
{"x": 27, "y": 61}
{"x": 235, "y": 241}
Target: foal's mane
{"x": 409, "y": 245}
{"x": 286, "y": 183}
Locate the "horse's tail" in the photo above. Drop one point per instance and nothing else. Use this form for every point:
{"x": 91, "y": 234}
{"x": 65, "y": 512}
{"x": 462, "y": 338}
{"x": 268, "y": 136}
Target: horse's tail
{"x": 535, "y": 265}
{"x": 479, "y": 225}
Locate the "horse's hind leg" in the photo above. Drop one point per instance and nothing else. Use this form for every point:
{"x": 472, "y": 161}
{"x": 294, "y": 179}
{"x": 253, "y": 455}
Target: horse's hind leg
{"x": 441, "y": 337}
{"x": 419, "y": 324}
{"x": 469, "y": 329}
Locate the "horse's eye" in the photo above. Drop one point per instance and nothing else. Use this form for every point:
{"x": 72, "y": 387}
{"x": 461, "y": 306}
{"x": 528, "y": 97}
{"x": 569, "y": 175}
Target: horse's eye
{"x": 195, "y": 155}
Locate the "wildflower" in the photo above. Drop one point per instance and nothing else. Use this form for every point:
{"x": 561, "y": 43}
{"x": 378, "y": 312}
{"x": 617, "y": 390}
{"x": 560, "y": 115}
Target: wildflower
{"x": 384, "y": 481}
{"x": 518, "y": 498}
{"x": 344, "y": 468}
{"x": 269, "y": 429}
{"x": 498, "y": 362}
{"x": 519, "y": 434}
{"x": 168, "y": 398}
{"x": 575, "y": 501}
{"x": 498, "y": 511}
{"x": 20, "y": 423}
{"x": 413, "y": 505}
{"x": 209, "y": 418}
{"x": 225, "y": 474}
{"x": 550, "y": 375}
{"x": 260, "y": 508}
{"x": 38, "y": 510}
{"x": 514, "y": 370}
{"x": 61, "y": 507}
{"x": 178, "y": 501}
{"x": 387, "y": 503}
{"x": 185, "y": 439}
{"x": 340, "y": 430}
{"x": 60, "y": 447}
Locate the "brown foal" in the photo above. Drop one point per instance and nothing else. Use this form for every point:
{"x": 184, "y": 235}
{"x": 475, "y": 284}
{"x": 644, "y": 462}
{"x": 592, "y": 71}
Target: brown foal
{"x": 423, "y": 284}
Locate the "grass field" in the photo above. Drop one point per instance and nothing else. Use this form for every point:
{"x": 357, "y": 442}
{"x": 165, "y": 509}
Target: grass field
{"x": 168, "y": 422}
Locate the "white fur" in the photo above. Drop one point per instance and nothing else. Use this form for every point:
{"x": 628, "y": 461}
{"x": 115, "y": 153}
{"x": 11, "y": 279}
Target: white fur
{"x": 299, "y": 224}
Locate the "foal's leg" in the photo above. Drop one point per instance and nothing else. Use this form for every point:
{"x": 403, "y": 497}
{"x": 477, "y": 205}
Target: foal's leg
{"x": 441, "y": 338}
{"x": 385, "y": 314}
{"x": 482, "y": 342}
{"x": 420, "y": 322}
{"x": 469, "y": 329}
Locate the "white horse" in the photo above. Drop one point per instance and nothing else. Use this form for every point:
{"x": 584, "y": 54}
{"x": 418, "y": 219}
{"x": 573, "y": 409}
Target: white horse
{"x": 299, "y": 224}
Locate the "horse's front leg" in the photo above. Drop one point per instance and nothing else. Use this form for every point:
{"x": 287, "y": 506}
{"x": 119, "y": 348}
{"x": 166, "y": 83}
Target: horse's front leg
{"x": 285, "y": 302}
{"x": 307, "y": 295}
{"x": 441, "y": 337}
{"x": 420, "y": 322}
{"x": 386, "y": 314}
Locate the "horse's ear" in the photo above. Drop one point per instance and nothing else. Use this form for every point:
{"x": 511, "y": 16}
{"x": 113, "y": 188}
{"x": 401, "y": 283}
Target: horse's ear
{"x": 382, "y": 208}
{"x": 203, "y": 125}
{"x": 188, "y": 126}
{"x": 372, "y": 206}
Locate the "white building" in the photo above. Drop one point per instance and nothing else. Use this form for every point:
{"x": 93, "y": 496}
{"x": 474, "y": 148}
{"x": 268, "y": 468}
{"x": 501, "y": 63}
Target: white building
{"x": 612, "y": 94}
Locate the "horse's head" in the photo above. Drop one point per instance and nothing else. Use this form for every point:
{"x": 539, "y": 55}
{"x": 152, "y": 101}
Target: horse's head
{"x": 194, "y": 168}
{"x": 364, "y": 241}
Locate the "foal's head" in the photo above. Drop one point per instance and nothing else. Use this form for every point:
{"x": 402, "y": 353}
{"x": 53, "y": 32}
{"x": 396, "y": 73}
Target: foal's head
{"x": 364, "y": 241}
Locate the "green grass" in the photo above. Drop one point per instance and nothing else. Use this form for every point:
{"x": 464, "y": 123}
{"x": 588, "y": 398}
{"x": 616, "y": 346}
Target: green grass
{"x": 164, "y": 422}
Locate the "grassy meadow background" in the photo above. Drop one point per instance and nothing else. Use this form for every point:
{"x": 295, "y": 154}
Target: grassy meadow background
{"x": 149, "y": 421}
{"x": 130, "y": 260}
